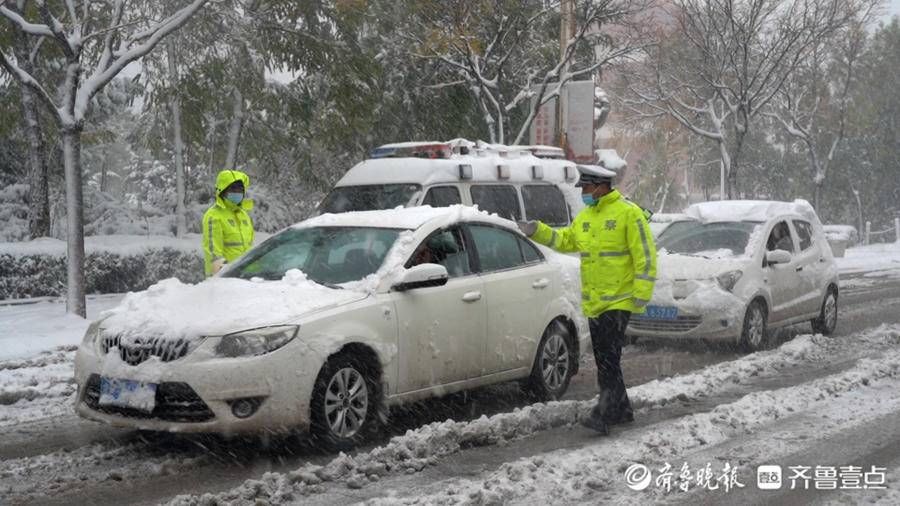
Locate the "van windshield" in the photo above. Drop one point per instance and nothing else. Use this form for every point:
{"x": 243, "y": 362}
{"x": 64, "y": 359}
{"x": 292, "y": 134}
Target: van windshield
{"x": 371, "y": 197}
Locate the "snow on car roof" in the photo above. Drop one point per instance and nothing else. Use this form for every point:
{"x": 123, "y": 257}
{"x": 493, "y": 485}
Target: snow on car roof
{"x": 408, "y": 218}
{"x": 427, "y": 171}
{"x": 749, "y": 210}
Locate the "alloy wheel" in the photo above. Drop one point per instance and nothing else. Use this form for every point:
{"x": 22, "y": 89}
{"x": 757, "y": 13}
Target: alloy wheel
{"x": 346, "y": 402}
{"x": 756, "y": 326}
{"x": 554, "y": 363}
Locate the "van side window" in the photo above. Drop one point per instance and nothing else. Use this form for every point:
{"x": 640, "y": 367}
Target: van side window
{"x": 442, "y": 196}
{"x": 500, "y": 199}
{"x": 804, "y": 232}
{"x": 545, "y": 203}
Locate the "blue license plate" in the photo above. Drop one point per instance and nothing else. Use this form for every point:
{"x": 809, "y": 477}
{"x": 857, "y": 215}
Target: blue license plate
{"x": 127, "y": 394}
{"x": 661, "y": 313}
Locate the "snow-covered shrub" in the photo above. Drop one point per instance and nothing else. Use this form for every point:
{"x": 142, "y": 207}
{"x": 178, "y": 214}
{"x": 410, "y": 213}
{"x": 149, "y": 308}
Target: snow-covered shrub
{"x": 44, "y": 274}
{"x": 13, "y": 213}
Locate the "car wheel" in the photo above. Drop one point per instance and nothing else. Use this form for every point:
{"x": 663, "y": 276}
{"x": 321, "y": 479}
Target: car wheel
{"x": 554, "y": 364}
{"x": 754, "y": 334}
{"x": 344, "y": 408}
{"x": 827, "y": 320}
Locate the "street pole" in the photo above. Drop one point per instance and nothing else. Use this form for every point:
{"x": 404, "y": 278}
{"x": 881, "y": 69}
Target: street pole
{"x": 566, "y": 31}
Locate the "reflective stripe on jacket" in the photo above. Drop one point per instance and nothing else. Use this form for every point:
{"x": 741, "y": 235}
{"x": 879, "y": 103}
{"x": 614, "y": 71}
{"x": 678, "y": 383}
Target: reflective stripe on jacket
{"x": 227, "y": 228}
{"x": 618, "y": 256}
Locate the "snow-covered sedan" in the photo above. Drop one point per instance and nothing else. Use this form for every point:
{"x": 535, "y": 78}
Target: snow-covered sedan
{"x": 736, "y": 269}
{"x": 333, "y": 319}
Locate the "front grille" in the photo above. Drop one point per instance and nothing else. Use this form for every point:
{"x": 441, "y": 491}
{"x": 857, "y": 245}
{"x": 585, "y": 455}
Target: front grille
{"x": 135, "y": 350}
{"x": 175, "y": 402}
{"x": 680, "y": 324}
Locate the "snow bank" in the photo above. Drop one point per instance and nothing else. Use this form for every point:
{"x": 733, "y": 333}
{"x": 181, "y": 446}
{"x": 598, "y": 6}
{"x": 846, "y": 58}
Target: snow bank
{"x": 419, "y": 448}
{"x": 872, "y": 259}
{"x": 125, "y": 245}
{"x": 581, "y": 475}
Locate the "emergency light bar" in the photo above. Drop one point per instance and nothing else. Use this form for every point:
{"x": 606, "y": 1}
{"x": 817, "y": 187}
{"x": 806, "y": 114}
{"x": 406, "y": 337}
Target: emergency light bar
{"x": 412, "y": 150}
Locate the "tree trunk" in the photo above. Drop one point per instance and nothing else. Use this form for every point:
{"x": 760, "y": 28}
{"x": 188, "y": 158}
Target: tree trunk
{"x": 180, "y": 223}
{"x": 38, "y": 174}
{"x": 234, "y": 133}
{"x": 75, "y": 301}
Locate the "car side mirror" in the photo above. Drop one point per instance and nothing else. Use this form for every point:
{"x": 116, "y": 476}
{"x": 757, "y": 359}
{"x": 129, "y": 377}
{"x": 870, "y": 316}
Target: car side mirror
{"x": 422, "y": 276}
{"x": 778, "y": 256}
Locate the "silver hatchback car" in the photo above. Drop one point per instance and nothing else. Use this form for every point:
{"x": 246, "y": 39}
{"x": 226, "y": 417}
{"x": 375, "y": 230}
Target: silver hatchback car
{"x": 737, "y": 269}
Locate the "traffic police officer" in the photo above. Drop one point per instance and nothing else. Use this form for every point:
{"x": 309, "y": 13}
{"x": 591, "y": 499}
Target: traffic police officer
{"x": 227, "y": 226}
{"x": 618, "y": 271}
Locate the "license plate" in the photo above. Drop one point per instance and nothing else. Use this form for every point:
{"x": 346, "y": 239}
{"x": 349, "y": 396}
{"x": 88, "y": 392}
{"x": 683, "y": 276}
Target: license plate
{"x": 125, "y": 393}
{"x": 661, "y": 313}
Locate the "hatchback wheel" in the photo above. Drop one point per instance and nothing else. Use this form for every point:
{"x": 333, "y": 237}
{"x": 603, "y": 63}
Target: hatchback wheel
{"x": 754, "y": 335}
{"x": 827, "y": 320}
{"x": 554, "y": 364}
{"x": 344, "y": 406}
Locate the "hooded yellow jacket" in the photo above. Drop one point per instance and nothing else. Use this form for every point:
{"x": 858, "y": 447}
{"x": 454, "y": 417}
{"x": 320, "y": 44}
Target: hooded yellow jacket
{"x": 227, "y": 228}
{"x": 618, "y": 256}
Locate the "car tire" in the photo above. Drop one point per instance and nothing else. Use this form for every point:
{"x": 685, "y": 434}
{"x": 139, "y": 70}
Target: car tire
{"x": 345, "y": 403}
{"x": 554, "y": 364}
{"x": 827, "y": 319}
{"x": 755, "y": 332}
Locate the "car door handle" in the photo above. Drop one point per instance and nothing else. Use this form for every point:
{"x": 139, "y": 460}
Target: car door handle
{"x": 540, "y": 284}
{"x": 798, "y": 269}
{"x": 471, "y": 296}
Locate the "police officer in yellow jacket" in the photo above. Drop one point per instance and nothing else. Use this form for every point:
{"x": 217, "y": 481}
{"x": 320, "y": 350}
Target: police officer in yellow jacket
{"x": 618, "y": 271}
{"x": 227, "y": 228}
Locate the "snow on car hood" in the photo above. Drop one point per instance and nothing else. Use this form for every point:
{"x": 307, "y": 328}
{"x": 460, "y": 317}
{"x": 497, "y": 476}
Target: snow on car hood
{"x": 171, "y": 309}
{"x": 676, "y": 266}
{"x": 690, "y": 282}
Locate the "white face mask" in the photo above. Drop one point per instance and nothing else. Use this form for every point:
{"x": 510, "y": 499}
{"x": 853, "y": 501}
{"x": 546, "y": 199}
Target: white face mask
{"x": 234, "y": 197}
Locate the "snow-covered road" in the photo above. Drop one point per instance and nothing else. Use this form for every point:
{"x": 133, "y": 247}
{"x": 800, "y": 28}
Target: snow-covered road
{"x": 815, "y": 402}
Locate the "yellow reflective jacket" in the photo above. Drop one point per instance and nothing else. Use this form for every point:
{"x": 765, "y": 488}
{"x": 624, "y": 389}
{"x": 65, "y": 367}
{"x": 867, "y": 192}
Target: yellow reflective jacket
{"x": 227, "y": 228}
{"x": 618, "y": 256}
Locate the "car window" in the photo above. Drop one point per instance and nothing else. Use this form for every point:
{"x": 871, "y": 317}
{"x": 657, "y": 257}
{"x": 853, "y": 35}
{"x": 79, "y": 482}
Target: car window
{"x": 500, "y": 199}
{"x": 780, "y": 238}
{"x": 530, "y": 252}
{"x": 327, "y": 255}
{"x": 442, "y": 196}
{"x": 371, "y": 197}
{"x": 444, "y": 247}
{"x": 804, "y": 233}
{"x": 716, "y": 239}
{"x": 545, "y": 203}
{"x": 497, "y": 249}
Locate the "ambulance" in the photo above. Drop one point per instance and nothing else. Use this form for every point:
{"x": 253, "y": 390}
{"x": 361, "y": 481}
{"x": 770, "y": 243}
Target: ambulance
{"x": 515, "y": 182}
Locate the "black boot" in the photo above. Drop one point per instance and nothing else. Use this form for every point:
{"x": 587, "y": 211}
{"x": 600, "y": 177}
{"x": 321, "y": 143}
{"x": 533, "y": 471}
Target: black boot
{"x": 595, "y": 421}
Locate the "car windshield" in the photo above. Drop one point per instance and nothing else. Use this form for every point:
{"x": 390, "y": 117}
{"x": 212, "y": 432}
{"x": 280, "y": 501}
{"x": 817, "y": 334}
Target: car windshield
{"x": 372, "y": 197}
{"x": 327, "y": 255}
{"x": 707, "y": 239}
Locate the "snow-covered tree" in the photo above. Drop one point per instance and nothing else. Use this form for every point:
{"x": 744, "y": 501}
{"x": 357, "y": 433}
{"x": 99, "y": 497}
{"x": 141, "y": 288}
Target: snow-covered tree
{"x": 723, "y": 63}
{"x": 506, "y": 53}
{"x": 98, "y": 40}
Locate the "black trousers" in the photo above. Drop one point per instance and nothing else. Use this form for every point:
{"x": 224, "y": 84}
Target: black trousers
{"x": 607, "y": 339}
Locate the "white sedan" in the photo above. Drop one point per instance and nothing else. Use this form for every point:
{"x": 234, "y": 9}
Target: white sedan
{"x": 333, "y": 319}
{"x": 737, "y": 269}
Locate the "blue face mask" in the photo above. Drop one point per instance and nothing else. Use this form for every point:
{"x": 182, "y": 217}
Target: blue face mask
{"x": 588, "y": 199}
{"x": 234, "y": 197}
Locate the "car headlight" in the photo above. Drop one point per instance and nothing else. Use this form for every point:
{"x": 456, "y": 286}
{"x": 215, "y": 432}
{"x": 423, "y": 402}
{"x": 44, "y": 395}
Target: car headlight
{"x": 727, "y": 280}
{"x": 249, "y": 343}
{"x": 92, "y": 335}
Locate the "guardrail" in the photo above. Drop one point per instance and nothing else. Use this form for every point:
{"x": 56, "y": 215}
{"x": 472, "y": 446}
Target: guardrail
{"x": 895, "y": 231}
